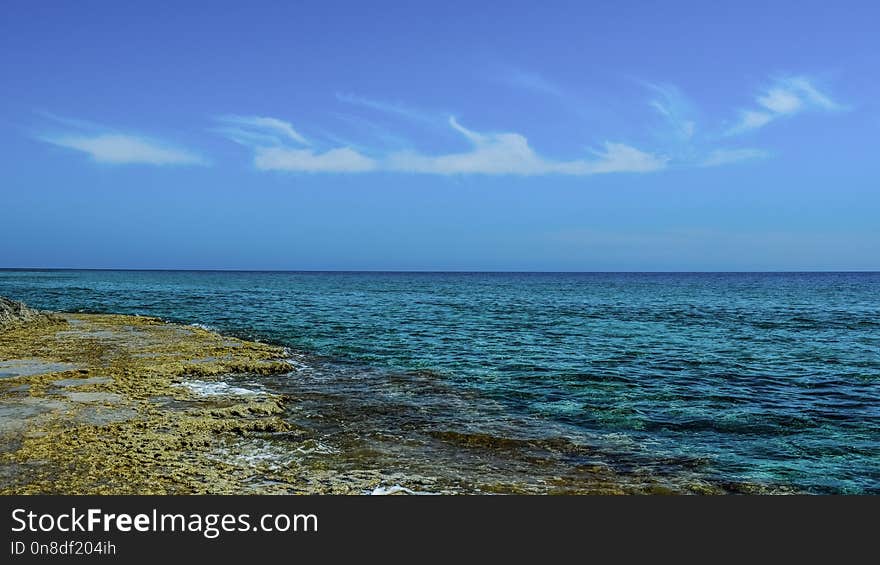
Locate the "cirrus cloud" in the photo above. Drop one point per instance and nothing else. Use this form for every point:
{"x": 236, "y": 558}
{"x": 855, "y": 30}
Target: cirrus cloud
{"x": 786, "y": 97}
{"x": 108, "y": 145}
{"x": 118, "y": 149}
{"x": 339, "y": 160}
{"x": 490, "y": 154}
{"x": 262, "y": 129}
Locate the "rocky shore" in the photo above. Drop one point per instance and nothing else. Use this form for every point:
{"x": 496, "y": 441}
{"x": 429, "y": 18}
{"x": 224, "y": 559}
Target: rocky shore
{"x": 116, "y": 404}
{"x": 101, "y": 404}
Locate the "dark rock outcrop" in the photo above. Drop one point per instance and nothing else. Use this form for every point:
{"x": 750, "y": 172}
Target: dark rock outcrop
{"x": 14, "y": 314}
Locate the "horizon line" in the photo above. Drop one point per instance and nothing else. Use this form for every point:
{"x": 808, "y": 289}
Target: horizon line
{"x": 435, "y": 271}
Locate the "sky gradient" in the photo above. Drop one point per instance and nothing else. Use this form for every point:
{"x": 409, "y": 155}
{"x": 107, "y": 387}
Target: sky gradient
{"x": 515, "y": 136}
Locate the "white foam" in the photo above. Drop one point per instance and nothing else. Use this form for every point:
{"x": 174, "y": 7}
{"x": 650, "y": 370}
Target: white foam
{"x": 315, "y": 447}
{"x": 297, "y": 360}
{"x": 261, "y": 454}
{"x": 202, "y": 327}
{"x": 395, "y": 489}
{"x": 218, "y": 388}
{"x": 298, "y": 365}
{"x": 255, "y": 453}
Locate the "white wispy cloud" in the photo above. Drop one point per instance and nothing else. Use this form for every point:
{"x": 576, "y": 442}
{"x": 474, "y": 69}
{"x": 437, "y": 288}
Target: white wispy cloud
{"x": 780, "y": 101}
{"x": 675, "y": 109}
{"x": 259, "y": 130}
{"x": 105, "y": 144}
{"x": 683, "y": 140}
{"x": 510, "y": 154}
{"x": 812, "y": 94}
{"x": 786, "y": 97}
{"x": 496, "y": 154}
{"x": 690, "y": 143}
{"x": 752, "y": 119}
{"x": 621, "y": 158}
{"x": 490, "y": 154}
{"x": 271, "y": 138}
{"x": 339, "y": 160}
{"x": 118, "y": 148}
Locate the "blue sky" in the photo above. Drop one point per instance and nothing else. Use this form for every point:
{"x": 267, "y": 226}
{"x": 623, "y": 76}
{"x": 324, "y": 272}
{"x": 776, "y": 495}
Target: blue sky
{"x": 509, "y": 136}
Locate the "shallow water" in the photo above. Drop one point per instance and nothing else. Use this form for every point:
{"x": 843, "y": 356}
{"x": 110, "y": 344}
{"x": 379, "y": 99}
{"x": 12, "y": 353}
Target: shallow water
{"x": 545, "y": 380}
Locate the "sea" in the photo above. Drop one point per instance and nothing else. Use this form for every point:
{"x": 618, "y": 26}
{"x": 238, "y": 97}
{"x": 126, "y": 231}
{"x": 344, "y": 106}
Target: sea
{"x": 546, "y": 382}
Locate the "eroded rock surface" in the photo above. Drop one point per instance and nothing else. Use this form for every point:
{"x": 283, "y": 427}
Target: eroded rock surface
{"x": 104, "y": 404}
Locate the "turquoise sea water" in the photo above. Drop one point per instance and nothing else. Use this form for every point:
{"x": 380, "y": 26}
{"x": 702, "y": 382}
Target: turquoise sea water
{"x": 535, "y": 380}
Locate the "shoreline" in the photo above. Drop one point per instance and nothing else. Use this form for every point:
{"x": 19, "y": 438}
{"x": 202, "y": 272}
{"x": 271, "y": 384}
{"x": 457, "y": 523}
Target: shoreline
{"x": 123, "y": 404}
{"x": 115, "y": 404}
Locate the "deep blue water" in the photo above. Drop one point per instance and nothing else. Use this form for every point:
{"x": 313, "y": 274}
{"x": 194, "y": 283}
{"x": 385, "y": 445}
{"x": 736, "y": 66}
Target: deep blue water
{"x": 766, "y": 378}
